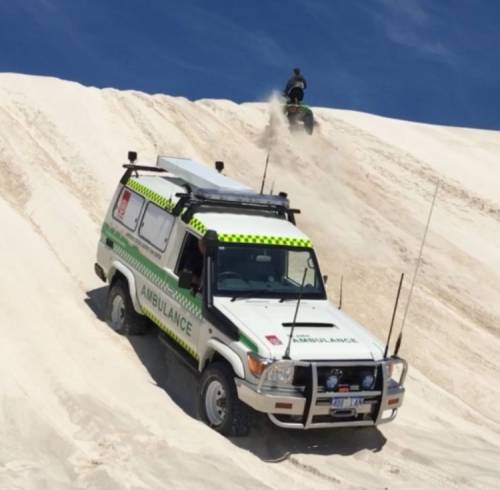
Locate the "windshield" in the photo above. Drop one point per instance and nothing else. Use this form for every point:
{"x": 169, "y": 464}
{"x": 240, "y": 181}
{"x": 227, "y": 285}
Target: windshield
{"x": 266, "y": 271}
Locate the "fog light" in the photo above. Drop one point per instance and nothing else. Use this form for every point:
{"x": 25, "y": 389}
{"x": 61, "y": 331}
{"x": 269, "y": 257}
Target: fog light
{"x": 331, "y": 382}
{"x": 333, "y": 379}
{"x": 367, "y": 381}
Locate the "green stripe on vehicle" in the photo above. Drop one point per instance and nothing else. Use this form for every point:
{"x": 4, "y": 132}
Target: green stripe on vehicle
{"x": 153, "y": 196}
{"x": 248, "y": 343}
{"x": 164, "y": 281}
{"x": 163, "y": 326}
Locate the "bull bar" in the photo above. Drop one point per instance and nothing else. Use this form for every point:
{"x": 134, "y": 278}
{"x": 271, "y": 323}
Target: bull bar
{"x": 287, "y": 400}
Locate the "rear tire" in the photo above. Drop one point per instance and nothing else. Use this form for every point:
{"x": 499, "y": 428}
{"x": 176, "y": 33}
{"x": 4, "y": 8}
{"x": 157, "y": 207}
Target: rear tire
{"x": 218, "y": 403}
{"x": 120, "y": 313}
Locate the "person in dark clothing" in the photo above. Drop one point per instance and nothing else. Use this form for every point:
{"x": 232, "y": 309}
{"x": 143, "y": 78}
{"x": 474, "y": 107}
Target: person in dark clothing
{"x": 295, "y": 87}
{"x": 194, "y": 261}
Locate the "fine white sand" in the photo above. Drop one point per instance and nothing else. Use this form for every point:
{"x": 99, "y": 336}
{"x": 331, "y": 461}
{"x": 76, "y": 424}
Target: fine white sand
{"x": 81, "y": 407}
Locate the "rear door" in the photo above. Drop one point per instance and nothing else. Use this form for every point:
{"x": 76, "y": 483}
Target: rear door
{"x": 174, "y": 310}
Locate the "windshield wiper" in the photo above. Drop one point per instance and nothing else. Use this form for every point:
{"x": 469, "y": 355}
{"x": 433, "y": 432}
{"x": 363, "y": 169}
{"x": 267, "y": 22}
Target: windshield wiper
{"x": 250, "y": 294}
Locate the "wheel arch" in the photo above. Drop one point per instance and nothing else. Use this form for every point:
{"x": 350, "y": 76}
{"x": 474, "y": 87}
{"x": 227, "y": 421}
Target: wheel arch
{"x": 117, "y": 270}
{"x": 217, "y": 350}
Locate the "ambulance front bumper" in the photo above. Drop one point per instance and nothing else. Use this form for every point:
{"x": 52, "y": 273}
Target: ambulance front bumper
{"x": 313, "y": 407}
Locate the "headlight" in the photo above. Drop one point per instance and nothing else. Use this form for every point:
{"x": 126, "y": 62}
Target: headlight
{"x": 257, "y": 364}
{"x": 281, "y": 373}
{"x": 395, "y": 372}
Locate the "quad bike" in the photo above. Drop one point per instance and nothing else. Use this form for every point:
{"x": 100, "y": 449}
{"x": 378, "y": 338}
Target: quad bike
{"x": 298, "y": 115}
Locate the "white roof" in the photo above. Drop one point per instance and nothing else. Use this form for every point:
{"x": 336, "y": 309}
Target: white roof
{"x": 226, "y": 221}
{"x": 247, "y": 224}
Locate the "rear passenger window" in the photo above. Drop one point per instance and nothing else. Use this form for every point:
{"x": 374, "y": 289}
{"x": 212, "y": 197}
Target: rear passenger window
{"x": 156, "y": 226}
{"x": 128, "y": 208}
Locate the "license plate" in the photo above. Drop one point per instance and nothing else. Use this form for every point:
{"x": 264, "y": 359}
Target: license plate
{"x": 347, "y": 402}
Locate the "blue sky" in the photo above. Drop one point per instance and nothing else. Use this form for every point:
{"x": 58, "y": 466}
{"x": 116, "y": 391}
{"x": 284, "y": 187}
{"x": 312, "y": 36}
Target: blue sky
{"x": 427, "y": 60}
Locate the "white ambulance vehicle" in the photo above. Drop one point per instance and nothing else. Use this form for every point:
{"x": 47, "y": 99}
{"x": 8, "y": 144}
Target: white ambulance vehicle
{"x": 235, "y": 286}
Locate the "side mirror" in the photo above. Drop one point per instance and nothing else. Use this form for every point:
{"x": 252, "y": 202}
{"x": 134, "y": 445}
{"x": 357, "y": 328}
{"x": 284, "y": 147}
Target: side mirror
{"x": 325, "y": 278}
{"x": 185, "y": 279}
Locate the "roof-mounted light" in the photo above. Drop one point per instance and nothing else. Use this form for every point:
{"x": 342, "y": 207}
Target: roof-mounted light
{"x": 220, "y": 195}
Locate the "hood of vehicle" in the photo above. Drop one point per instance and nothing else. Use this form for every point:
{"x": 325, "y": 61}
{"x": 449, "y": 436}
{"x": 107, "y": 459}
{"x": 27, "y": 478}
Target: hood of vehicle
{"x": 261, "y": 320}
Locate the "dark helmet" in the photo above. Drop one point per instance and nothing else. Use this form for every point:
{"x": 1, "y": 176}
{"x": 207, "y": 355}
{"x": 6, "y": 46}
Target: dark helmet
{"x": 296, "y": 71}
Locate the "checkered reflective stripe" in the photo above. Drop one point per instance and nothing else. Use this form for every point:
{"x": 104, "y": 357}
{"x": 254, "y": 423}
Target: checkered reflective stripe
{"x": 153, "y": 196}
{"x": 156, "y": 275}
{"x": 264, "y": 239}
{"x": 197, "y": 225}
{"x": 159, "y": 282}
{"x": 170, "y": 333}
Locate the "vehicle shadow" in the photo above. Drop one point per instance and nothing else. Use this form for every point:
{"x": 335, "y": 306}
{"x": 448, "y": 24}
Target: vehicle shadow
{"x": 169, "y": 374}
{"x": 273, "y": 444}
{"x": 266, "y": 441}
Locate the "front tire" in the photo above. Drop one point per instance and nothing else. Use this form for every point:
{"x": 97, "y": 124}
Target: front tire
{"x": 218, "y": 403}
{"x": 309, "y": 123}
{"x": 120, "y": 313}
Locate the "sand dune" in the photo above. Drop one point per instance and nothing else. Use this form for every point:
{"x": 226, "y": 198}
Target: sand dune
{"x": 82, "y": 407}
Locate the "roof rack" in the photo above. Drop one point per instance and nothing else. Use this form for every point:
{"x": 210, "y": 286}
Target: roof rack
{"x": 221, "y": 193}
{"x": 250, "y": 201}
{"x": 130, "y": 167}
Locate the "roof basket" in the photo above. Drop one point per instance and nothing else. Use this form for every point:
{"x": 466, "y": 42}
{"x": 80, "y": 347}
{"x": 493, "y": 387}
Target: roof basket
{"x": 193, "y": 202}
{"x": 208, "y": 188}
{"x": 130, "y": 167}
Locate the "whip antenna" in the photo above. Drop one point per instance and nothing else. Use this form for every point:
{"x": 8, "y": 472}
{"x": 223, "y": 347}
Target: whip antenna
{"x": 417, "y": 266}
{"x": 340, "y": 293}
{"x": 265, "y": 172}
{"x": 393, "y": 316}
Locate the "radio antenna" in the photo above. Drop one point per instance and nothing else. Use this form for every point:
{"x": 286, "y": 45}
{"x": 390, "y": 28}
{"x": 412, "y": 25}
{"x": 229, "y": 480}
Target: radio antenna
{"x": 417, "y": 266}
{"x": 287, "y": 352}
{"x": 393, "y": 316}
{"x": 265, "y": 172}
{"x": 340, "y": 294}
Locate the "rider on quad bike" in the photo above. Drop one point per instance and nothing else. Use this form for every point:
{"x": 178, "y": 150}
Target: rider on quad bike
{"x": 295, "y": 87}
{"x": 295, "y": 111}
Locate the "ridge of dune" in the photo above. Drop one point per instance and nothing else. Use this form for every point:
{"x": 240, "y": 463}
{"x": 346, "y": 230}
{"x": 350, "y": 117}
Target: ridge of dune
{"x": 81, "y": 407}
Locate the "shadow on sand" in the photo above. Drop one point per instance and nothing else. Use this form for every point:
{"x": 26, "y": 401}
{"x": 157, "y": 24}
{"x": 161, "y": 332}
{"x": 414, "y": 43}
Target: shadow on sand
{"x": 266, "y": 441}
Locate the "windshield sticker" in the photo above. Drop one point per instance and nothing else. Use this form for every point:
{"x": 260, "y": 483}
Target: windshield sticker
{"x": 273, "y": 339}
{"x": 122, "y": 206}
{"x": 304, "y": 338}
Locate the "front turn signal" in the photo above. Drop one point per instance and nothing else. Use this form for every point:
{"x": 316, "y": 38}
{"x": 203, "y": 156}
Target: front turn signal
{"x": 257, "y": 364}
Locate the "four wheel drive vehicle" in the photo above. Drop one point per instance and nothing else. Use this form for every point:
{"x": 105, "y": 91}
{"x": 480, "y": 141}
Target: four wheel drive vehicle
{"x": 299, "y": 115}
{"x": 221, "y": 271}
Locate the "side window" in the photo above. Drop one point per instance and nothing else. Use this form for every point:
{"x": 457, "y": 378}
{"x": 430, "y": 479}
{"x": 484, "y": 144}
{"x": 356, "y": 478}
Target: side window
{"x": 128, "y": 208}
{"x": 190, "y": 257}
{"x": 156, "y": 226}
{"x": 297, "y": 262}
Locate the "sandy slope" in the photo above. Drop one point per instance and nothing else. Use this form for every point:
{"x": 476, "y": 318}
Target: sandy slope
{"x": 81, "y": 407}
